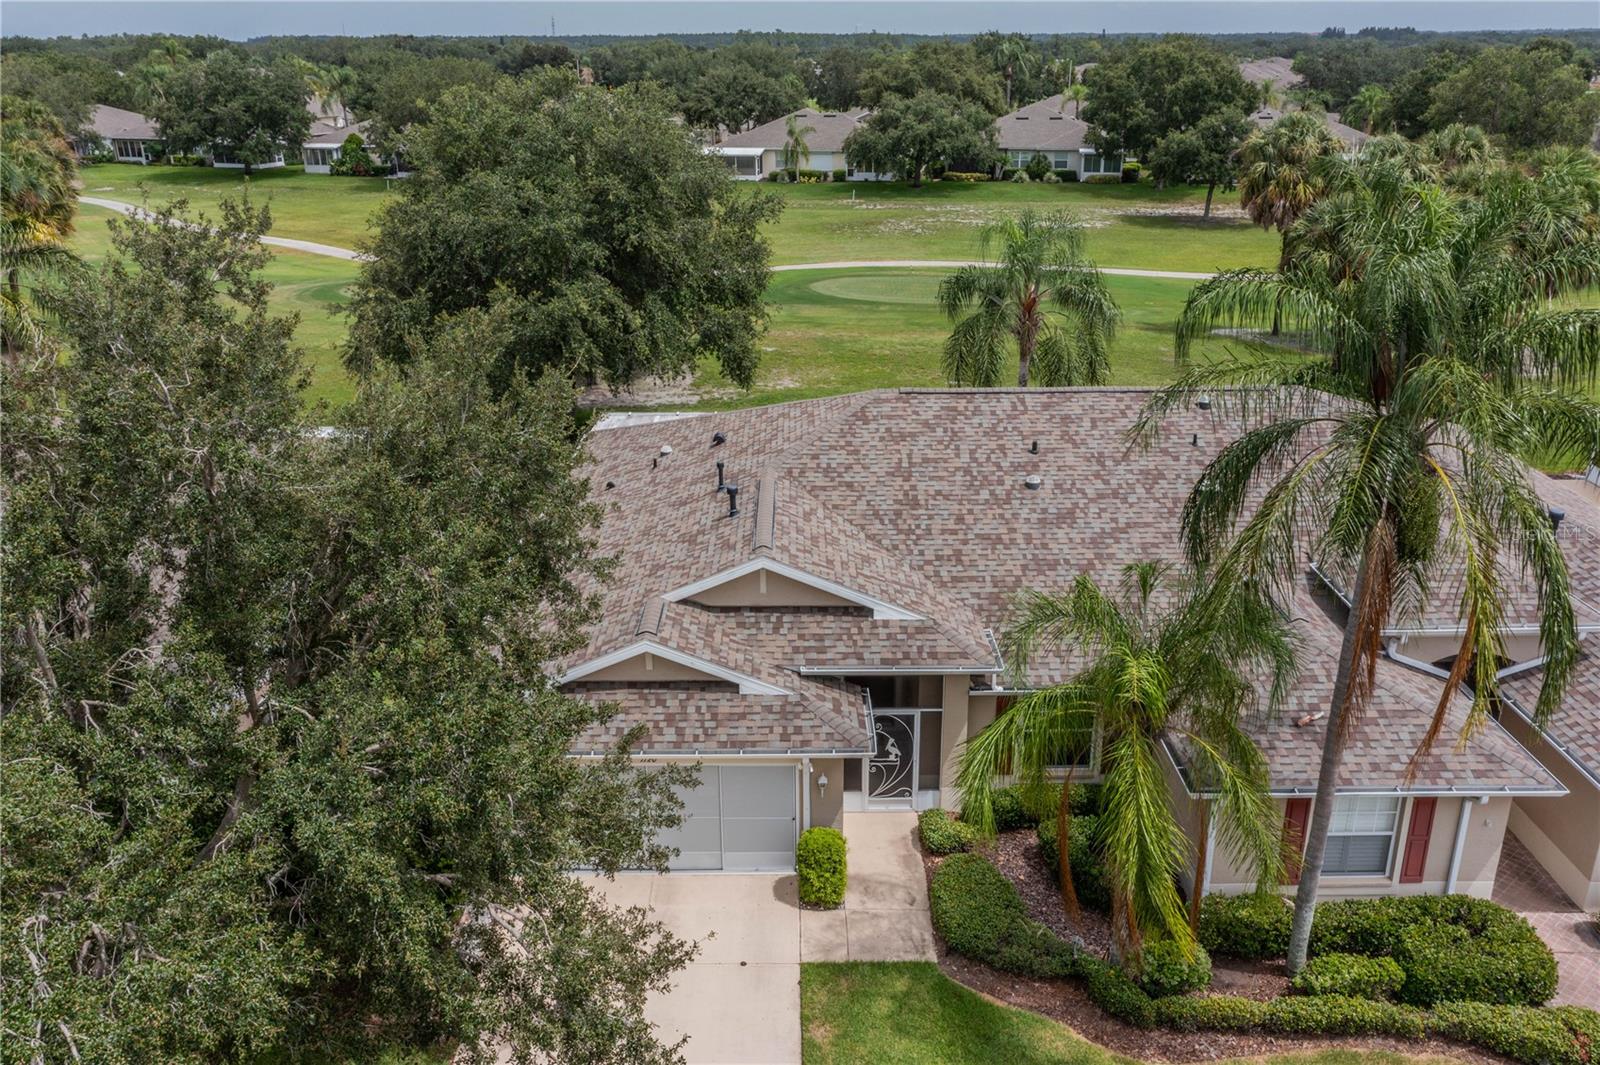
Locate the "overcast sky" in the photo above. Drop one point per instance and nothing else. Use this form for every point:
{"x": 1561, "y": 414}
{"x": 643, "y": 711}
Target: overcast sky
{"x": 241, "y": 19}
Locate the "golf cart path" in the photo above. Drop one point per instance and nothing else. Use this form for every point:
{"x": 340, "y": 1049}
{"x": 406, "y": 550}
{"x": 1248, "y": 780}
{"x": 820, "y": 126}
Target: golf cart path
{"x": 311, "y": 246}
{"x": 335, "y": 252}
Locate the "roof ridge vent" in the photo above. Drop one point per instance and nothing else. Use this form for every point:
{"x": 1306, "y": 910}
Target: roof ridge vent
{"x": 766, "y": 531}
{"x": 651, "y": 615}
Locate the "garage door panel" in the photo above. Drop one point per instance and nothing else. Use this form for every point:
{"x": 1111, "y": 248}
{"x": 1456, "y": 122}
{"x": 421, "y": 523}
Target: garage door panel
{"x": 701, "y": 801}
{"x": 758, "y": 843}
{"x": 757, "y": 791}
{"x": 740, "y": 818}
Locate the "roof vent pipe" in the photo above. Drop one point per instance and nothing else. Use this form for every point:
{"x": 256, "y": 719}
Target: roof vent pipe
{"x": 1557, "y": 516}
{"x": 733, "y": 500}
{"x": 1033, "y": 481}
{"x": 1033, "y": 448}
{"x": 718, "y": 439}
{"x": 1203, "y": 402}
{"x": 721, "y": 484}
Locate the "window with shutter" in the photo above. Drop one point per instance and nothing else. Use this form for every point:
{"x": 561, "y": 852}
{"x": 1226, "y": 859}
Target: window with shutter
{"x": 1361, "y": 835}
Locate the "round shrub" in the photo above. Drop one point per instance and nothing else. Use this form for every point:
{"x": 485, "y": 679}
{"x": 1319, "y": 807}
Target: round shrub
{"x": 1050, "y": 178}
{"x": 1166, "y": 968}
{"x": 1501, "y": 965}
{"x": 943, "y": 834}
{"x": 820, "y": 867}
{"x": 1245, "y": 926}
{"x": 1089, "y": 878}
{"x": 1350, "y": 974}
{"x": 1110, "y": 988}
{"x": 1006, "y": 806}
{"x": 1020, "y": 178}
{"x": 979, "y": 914}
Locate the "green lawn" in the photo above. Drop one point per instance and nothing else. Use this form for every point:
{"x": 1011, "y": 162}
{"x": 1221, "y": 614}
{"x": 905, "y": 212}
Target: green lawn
{"x": 319, "y": 207}
{"x": 312, "y": 286}
{"x": 844, "y": 330}
{"x": 912, "y": 1014}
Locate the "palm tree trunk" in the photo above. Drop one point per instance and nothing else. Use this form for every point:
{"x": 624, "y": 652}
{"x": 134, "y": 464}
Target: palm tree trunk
{"x": 1201, "y": 854}
{"x": 1027, "y": 338}
{"x": 1069, "y": 893}
{"x": 1283, "y": 260}
{"x": 1305, "y": 900}
{"x": 1211, "y": 190}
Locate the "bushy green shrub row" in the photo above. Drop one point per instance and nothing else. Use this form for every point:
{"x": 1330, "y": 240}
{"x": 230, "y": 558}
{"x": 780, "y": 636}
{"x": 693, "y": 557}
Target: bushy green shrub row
{"x": 979, "y": 914}
{"x": 943, "y": 834}
{"x": 1165, "y": 969}
{"x": 1350, "y": 974}
{"x": 963, "y": 175}
{"x": 1089, "y": 877}
{"x": 1451, "y": 947}
{"x": 841, "y": 174}
{"x": 819, "y": 864}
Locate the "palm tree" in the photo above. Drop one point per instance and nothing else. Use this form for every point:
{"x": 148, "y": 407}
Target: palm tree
{"x": 1370, "y": 109}
{"x": 1394, "y": 455}
{"x": 37, "y": 202}
{"x": 1043, "y": 294}
{"x": 1077, "y": 92}
{"x": 1016, "y": 57}
{"x": 795, "y": 148}
{"x": 333, "y": 86}
{"x": 1459, "y": 147}
{"x": 1169, "y": 660}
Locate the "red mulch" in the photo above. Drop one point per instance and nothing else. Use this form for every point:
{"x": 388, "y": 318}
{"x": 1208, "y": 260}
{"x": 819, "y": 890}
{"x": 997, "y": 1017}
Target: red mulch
{"x": 1016, "y": 855}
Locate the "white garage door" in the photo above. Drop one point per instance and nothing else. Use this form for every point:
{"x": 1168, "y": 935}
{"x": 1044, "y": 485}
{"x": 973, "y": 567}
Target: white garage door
{"x": 741, "y": 817}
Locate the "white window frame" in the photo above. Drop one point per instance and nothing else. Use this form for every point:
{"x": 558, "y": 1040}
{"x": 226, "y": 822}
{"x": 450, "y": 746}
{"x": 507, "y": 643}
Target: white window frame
{"x": 1366, "y": 805}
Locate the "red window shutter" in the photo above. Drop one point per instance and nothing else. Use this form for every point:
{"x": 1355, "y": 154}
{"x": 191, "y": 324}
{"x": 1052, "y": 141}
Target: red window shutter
{"x": 1296, "y": 812}
{"x": 1416, "y": 856}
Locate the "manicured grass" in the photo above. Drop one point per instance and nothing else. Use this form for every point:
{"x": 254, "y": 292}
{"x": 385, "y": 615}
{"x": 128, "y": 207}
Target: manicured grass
{"x": 319, "y": 207}
{"x": 866, "y": 220}
{"x": 912, "y": 1014}
{"x": 312, "y": 286}
{"x": 844, "y": 330}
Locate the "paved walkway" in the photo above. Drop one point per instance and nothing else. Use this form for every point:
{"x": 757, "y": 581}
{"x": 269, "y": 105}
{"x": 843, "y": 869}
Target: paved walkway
{"x": 739, "y": 1000}
{"x": 1521, "y": 883}
{"x": 885, "y": 914}
{"x": 948, "y": 264}
{"x": 311, "y": 246}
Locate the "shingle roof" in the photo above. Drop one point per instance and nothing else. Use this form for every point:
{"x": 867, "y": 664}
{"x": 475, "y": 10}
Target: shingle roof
{"x": 830, "y": 128}
{"x": 113, "y": 123}
{"x": 1042, "y": 126}
{"x": 1349, "y": 136}
{"x": 1277, "y": 69}
{"x": 917, "y": 498}
{"x": 1576, "y": 726}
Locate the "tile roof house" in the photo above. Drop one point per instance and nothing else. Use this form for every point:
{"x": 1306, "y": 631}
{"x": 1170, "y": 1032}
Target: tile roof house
{"x": 130, "y": 136}
{"x": 758, "y": 152}
{"x": 807, "y": 599}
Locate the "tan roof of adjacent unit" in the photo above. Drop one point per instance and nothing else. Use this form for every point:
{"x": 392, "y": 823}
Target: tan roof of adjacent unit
{"x": 1277, "y": 69}
{"x": 830, "y": 128}
{"x": 1576, "y": 726}
{"x": 1349, "y": 136}
{"x": 113, "y": 123}
{"x": 1042, "y": 126}
{"x": 916, "y": 500}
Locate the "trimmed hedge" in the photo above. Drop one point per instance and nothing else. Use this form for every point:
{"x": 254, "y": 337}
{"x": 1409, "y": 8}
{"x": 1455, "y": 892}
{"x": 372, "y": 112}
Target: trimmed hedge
{"x": 1110, "y": 988}
{"x": 1352, "y": 975}
{"x": 841, "y": 175}
{"x": 1452, "y": 947}
{"x": 979, "y": 914}
{"x": 1309, "y": 1015}
{"x": 1566, "y": 1035}
{"x": 943, "y": 834}
{"x": 963, "y": 175}
{"x": 1088, "y": 872}
{"x": 1164, "y": 971}
{"x": 1245, "y": 926}
{"x": 820, "y": 867}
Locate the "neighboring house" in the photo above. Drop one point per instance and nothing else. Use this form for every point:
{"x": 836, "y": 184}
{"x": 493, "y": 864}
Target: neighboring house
{"x": 826, "y": 637}
{"x": 1051, "y": 128}
{"x": 1349, "y": 136}
{"x": 324, "y": 142}
{"x": 1278, "y": 69}
{"x": 758, "y": 152}
{"x": 130, "y": 136}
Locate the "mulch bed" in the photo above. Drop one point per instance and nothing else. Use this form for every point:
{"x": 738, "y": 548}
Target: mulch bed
{"x": 1016, "y": 855}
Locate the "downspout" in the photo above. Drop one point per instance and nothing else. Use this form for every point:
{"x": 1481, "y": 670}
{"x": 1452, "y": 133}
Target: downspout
{"x": 1461, "y": 840}
{"x": 805, "y": 796}
{"x": 1211, "y": 855}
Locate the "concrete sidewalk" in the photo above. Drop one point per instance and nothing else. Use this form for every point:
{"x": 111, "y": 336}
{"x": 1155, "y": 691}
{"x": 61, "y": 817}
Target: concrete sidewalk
{"x": 885, "y": 914}
{"x": 739, "y": 1000}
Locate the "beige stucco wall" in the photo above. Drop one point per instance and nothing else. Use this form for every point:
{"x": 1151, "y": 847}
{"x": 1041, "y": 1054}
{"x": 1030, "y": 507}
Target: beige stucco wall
{"x": 1430, "y": 649}
{"x": 1187, "y": 811}
{"x": 648, "y": 667}
{"x": 954, "y": 732}
{"x": 827, "y": 808}
{"x": 1480, "y": 856}
{"x": 767, "y": 589}
{"x": 1563, "y": 832}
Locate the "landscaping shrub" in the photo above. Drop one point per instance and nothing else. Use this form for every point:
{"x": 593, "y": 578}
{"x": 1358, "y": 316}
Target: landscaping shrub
{"x": 841, "y": 175}
{"x": 1006, "y": 806}
{"x": 1130, "y": 173}
{"x": 1067, "y": 175}
{"x": 1221, "y": 1013}
{"x": 1525, "y": 1033}
{"x": 1102, "y": 179}
{"x": 1501, "y": 965}
{"x": 1343, "y": 1015}
{"x": 1050, "y": 178}
{"x": 1007, "y": 173}
{"x": 1020, "y": 178}
{"x": 1084, "y": 801}
{"x": 943, "y": 834}
{"x": 1350, "y": 974}
{"x": 979, "y": 914}
{"x": 1038, "y": 166}
{"x": 1088, "y": 872}
{"x": 354, "y": 160}
{"x": 1110, "y": 988}
{"x": 820, "y": 867}
{"x": 1164, "y": 970}
{"x": 1245, "y": 926}
{"x": 964, "y": 175}
{"x": 1452, "y": 947}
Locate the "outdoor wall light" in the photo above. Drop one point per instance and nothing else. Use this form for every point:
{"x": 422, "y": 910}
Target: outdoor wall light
{"x": 822, "y": 784}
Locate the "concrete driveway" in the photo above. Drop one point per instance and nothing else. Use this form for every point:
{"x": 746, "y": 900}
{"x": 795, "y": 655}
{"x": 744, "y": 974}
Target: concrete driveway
{"x": 739, "y": 1000}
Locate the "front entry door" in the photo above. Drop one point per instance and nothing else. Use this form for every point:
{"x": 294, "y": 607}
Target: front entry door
{"x": 892, "y": 769}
